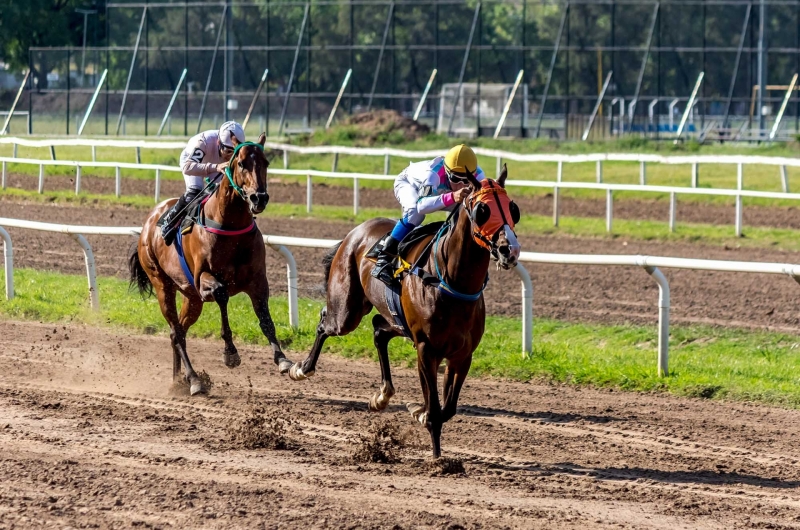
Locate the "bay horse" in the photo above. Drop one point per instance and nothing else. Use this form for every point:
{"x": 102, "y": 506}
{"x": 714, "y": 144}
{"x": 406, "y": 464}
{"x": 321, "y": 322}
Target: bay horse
{"x": 224, "y": 255}
{"x": 446, "y": 323}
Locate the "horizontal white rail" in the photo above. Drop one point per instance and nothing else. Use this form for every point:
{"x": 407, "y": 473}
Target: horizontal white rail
{"x": 650, "y": 264}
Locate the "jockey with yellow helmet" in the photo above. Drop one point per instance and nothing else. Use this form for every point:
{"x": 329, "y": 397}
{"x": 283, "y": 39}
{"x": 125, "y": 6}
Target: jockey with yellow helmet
{"x": 423, "y": 188}
{"x": 205, "y": 156}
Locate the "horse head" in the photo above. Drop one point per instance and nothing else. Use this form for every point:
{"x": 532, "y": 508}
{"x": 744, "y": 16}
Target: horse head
{"x": 249, "y": 169}
{"x": 494, "y": 215}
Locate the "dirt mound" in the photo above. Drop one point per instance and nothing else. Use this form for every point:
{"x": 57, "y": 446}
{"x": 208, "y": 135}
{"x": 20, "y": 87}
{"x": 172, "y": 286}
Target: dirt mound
{"x": 380, "y": 444}
{"x": 385, "y": 126}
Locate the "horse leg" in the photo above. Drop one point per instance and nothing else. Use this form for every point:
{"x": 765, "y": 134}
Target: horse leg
{"x": 455, "y": 375}
{"x": 430, "y": 415}
{"x": 209, "y": 284}
{"x": 382, "y": 335}
{"x": 261, "y": 307}
{"x": 307, "y": 368}
{"x": 177, "y": 335}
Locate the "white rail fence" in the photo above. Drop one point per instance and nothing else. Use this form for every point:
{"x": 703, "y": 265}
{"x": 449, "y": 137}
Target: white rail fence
{"x": 650, "y": 264}
{"x": 557, "y": 185}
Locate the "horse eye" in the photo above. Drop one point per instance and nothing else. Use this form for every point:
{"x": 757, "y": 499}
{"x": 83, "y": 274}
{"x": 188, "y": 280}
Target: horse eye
{"x": 241, "y": 166}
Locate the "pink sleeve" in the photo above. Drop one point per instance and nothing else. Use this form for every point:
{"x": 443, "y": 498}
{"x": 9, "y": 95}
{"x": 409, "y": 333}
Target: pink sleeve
{"x": 448, "y": 199}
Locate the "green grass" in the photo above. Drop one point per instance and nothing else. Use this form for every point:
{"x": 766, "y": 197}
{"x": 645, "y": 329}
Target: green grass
{"x": 765, "y": 178}
{"x": 717, "y": 235}
{"x": 705, "y": 362}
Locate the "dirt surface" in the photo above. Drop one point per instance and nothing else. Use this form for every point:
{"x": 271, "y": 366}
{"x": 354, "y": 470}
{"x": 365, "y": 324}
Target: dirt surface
{"x": 572, "y": 293}
{"x": 87, "y": 444}
{"x": 381, "y": 125}
{"x": 293, "y": 193}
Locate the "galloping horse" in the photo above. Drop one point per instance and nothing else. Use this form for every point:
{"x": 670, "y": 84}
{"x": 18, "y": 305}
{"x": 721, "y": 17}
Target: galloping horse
{"x": 224, "y": 255}
{"x": 444, "y": 322}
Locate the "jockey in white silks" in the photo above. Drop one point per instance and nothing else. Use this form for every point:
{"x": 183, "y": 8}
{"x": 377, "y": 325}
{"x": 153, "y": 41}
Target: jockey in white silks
{"x": 423, "y": 188}
{"x": 205, "y": 156}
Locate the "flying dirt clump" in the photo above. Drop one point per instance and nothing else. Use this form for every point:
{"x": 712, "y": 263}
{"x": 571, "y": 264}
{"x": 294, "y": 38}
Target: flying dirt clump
{"x": 381, "y": 444}
{"x": 259, "y": 429}
{"x": 446, "y": 466}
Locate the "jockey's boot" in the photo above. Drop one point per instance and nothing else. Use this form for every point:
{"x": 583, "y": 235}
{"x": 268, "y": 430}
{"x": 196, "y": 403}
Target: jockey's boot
{"x": 383, "y": 266}
{"x": 172, "y": 221}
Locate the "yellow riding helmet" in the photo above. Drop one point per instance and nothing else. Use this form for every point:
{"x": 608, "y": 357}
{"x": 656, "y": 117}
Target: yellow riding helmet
{"x": 461, "y": 158}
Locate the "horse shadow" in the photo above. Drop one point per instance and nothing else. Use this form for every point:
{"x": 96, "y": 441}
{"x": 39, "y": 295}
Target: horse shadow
{"x": 477, "y": 411}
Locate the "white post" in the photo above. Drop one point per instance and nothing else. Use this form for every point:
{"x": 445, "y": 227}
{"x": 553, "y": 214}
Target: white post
{"x": 94, "y": 153}
{"x": 291, "y": 284}
{"x": 5, "y": 172}
{"x": 695, "y": 175}
{"x": 498, "y": 166}
{"x": 158, "y": 186}
{"x": 599, "y": 171}
{"x": 356, "y": 193}
{"x": 78, "y": 172}
{"x": 739, "y": 176}
{"x": 784, "y": 179}
{"x": 642, "y": 173}
{"x": 527, "y": 309}
{"x": 91, "y": 272}
{"x": 41, "y": 178}
{"x": 609, "y": 209}
{"x": 286, "y": 160}
{"x": 673, "y": 206}
{"x": 118, "y": 183}
{"x": 8, "y": 253}
{"x": 14, "y": 150}
{"x": 386, "y": 164}
{"x": 335, "y": 164}
{"x": 138, "y": 155}
{"x": 738, "y": 216}
{"x": 556, "y": 205}
{"x": 663, "y": 320}
{"x": 309, "y": 192}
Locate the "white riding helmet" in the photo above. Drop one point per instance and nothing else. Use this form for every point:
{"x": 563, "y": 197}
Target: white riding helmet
{"x": 227, "y": 131}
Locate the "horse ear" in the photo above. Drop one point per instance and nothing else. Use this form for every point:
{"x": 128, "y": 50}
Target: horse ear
{"x": 515, "y": 213}
{"x": 481, "y": 213}
{"x": 262, "y": 139}
{"x": 476, "y": 185}
{"x": 503, "y": 175}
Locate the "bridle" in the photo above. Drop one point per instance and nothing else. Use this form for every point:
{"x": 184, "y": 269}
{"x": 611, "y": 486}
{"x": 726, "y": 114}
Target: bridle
{"x": 229, "y": 169}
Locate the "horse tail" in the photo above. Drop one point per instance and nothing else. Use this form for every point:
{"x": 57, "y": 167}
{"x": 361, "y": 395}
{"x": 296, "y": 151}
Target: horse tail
{"x": 138, "y": 277}
{"x": 327, "y": 262}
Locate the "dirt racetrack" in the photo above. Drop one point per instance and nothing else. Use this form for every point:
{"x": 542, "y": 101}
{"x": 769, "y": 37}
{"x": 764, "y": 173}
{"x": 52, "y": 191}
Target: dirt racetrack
{"x": 92, "y": 437}
{"x": 591, "y": 294}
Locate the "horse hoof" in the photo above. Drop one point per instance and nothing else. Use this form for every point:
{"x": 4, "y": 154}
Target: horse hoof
{"x": 376, "y": 404}
{"x": 418, "y": 413}
{"x": 284, "y": 365}
{"x": 233, "y": 360}
{"x": 296, "y": 373}
{"x": 197, "y": 388}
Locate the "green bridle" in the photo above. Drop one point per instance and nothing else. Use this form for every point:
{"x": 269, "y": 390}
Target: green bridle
{"x": 228, "y": 171}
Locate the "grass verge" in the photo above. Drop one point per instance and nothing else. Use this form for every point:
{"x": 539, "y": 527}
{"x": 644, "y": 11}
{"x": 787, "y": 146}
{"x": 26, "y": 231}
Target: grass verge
{"x": 705, "y": 362}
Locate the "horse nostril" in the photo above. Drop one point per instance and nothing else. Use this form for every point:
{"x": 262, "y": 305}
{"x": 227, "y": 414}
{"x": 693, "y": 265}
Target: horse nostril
{"x": 254, "y": 198}
{"x": 505, "y": 251}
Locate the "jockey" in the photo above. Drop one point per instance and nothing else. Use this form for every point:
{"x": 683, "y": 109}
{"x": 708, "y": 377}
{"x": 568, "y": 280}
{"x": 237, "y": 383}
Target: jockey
{"x": 423, "y": 188}
{"x": 206, "y": 155}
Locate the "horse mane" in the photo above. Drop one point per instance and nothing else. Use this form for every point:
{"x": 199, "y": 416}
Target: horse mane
{"x": 327, "y": 262}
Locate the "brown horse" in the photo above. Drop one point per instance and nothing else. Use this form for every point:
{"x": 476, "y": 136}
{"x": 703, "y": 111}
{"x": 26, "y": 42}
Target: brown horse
{"x": 224, "y": 259}
{"x": 445, "y": 322}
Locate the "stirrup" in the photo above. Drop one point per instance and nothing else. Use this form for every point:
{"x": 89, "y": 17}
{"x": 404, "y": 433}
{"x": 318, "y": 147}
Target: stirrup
{"x": 383, "y": 272}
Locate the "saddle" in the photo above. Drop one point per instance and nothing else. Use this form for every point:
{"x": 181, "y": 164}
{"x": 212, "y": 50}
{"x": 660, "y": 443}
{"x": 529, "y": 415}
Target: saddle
{"x": 194, "y": 213}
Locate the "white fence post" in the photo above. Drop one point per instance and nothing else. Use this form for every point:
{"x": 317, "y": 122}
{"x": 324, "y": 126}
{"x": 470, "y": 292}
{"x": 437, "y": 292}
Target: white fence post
{"x": 663, "y": 320}
{"x": 557, "y": 194}
{"x": 739, "y": 176}
{"x": 784, "y": 179}
{"x": 158, "y": 186}
{"x": 41, "y": 178}
{"x": 5, "y": 173}
{"x": 609, "y": 210}
{"x": 94, "y": 153}
{"x": 91, "y": 271}
{"x": 335, "y": 164}
{"x": 527, "y": 309}
{"x": 285, "y": 159}
{"x": 309, "y": 193}
{"x": 599, "y": 171}
{"x": 78, "y": 172}
{"x": 138, "y": 155}
{"x": 117, "y": 183}
{"x": 642, "y": 173}
{"x": 386, "y": 164}
{"x": 8, "y": 253}
{"x": 673, "y": 206}
{"x": 14, "y": 155}
{"x": 695, "y": 175}
{"x": 738, "y": 223}
{"x": 291, "y": 284}
{"x": 498, "y": 166}
{"x": 356, "y": 194}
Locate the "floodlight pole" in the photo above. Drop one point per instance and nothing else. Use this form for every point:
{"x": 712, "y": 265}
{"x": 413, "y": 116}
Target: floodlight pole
{"x": 508, "y": 105}
{"x": 597, "y": 107}
{"x": 689, "y": 106}
{"x": 85, "y": 13}
{"x": 255, "y": 98}
{"x": 425, "y": 94}
{"x": 736, "y": 64}
{"x": 4, "y": 130}
{"x": 339, "y": 98}
{"x": 550, "y": 70}
{"x": 762, "y": 52}
{"x": 92, "y": 102}
{"x": 294, "y": 67}
{"x": 632, "y": 107}
{"x": 380, "y": 55}
{"x": 171, "y": 102}
{"x": 130, "y": 71}
{"x": 211, "y": 70}
{"x": 464, "y": 67}
{"x": 779, "y": 117}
